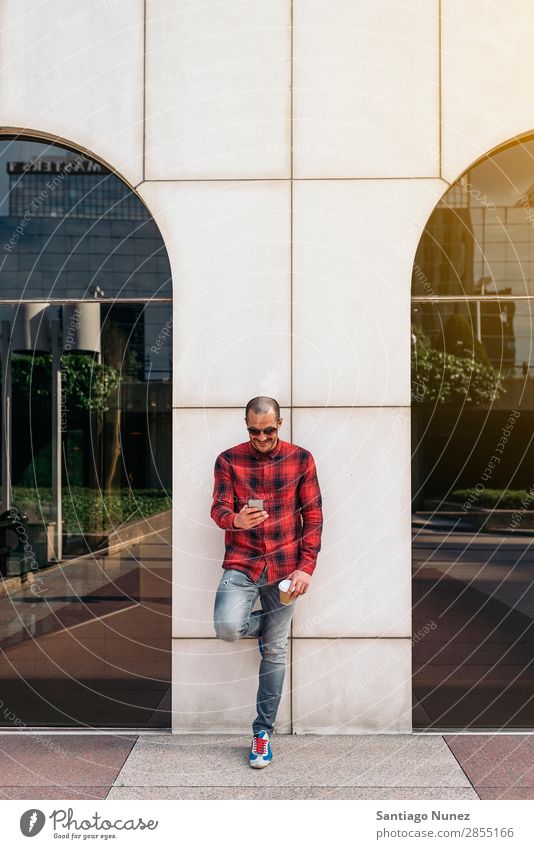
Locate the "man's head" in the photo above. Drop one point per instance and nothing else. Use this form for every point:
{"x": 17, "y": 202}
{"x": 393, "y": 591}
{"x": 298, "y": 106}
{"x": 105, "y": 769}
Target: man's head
{"x": 263, "y": 414}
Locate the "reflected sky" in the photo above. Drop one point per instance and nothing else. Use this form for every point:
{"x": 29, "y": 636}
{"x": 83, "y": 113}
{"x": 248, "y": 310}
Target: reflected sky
{"x": 504, "y": 176}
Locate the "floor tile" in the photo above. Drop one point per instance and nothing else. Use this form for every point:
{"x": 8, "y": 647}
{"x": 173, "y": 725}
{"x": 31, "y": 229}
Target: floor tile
{"x": 269, "y": 791}
{"x": 504, "y": 793}
{"x": 495, "y": 760}
{"x": 54, "y": 791}
{"x": 304, "y": 761}
{"x": 64, "y": 760}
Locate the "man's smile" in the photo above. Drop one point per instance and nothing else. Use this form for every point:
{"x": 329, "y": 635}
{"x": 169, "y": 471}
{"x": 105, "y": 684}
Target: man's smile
{"x": 264, "y": 444}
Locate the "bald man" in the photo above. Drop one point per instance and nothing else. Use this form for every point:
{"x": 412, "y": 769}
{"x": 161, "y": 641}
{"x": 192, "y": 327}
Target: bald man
{"x": 262, "y": 547}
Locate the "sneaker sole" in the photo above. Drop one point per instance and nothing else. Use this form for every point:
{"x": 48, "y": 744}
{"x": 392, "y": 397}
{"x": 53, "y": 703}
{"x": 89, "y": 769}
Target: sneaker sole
{"x": 259, "y": 766}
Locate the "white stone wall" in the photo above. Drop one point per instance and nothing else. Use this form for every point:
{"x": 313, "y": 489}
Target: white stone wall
{"x": 291, "y": 153}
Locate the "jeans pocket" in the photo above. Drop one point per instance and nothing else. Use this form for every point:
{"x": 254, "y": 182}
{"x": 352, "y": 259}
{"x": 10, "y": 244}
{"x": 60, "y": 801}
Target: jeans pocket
{"x": 235, "y": 578}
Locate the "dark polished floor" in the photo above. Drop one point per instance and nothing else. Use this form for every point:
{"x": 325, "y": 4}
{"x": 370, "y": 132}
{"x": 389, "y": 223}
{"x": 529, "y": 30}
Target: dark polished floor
{"x": 473, "y": 652}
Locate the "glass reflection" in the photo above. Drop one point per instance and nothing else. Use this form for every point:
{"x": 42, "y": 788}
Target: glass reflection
{"x": 473, "y": 515}
{"x": 69, "y": 228}
{"x": 85, "y": 566}
{"x": 479, "y": 239}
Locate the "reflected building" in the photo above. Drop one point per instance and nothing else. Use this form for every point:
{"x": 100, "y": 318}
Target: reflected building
{"x": 72, "y": 229}
{"x": 472, "y": 437}
{"x": 87, "y": 447}
{"x": 69, "y": 227}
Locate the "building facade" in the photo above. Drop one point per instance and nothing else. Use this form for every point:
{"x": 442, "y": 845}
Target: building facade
{"x": 290, "y": 154}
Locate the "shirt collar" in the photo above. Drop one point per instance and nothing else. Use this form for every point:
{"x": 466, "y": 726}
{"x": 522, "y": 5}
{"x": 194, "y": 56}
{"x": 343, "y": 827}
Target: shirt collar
{"x": 260, "y": 455}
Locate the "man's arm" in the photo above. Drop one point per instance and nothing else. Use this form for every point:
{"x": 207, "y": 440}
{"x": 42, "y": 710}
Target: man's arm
{"x": 310, "y": 500}
{"x": 222, "y": 508}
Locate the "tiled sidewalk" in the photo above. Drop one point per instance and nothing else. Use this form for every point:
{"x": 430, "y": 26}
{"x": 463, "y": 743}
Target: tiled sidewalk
{"x": 164, "y": 766}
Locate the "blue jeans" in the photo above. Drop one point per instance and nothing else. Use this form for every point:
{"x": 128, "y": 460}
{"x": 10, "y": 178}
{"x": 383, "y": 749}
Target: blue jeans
{"x": 233, "y": 619}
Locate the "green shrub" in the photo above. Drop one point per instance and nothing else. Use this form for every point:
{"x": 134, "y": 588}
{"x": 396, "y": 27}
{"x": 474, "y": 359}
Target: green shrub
{"x": 88, "y": 510}
{"x": 503, "y": 499}
{"x": 438, "y": 377}
{"x": 458, "y": 339}
{"x": 86, "y": 384}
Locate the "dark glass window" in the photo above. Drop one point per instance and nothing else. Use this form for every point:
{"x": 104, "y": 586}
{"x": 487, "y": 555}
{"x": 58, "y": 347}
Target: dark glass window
{"x": 473, "y": 451}
{"x": 85, "y": 305}
{"x": 69, "y": 225}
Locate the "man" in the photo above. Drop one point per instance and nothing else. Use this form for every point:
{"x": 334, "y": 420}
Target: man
{"x": 264, "y": 546}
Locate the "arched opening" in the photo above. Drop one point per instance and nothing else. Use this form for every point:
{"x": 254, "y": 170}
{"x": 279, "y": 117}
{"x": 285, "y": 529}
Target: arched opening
{"x": 473, "y": 451}
{"x": 85, "y": 546}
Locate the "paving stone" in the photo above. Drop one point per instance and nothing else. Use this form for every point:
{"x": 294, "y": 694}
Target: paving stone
{"x": 299, "y": 761}
{"x": 505, "y": 793}
{"x": 273, "y": 792}
{"x": 64, "y": 760}
{"x": 54, "y": 792}
{"x": 495, "y": 760}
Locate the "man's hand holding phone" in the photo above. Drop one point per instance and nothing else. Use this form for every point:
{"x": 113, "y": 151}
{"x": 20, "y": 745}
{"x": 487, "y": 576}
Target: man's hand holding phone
{"x": 250, "y": 517}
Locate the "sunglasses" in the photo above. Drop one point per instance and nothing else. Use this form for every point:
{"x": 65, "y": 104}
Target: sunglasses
{"x": 268, "y": 431}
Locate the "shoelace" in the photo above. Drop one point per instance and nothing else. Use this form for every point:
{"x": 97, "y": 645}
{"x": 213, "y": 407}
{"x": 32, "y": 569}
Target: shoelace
{"x": 259, "y": 745}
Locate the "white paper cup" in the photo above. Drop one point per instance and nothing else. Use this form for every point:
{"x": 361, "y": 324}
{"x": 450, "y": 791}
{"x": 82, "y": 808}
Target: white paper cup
{"x": 285, "y": 596}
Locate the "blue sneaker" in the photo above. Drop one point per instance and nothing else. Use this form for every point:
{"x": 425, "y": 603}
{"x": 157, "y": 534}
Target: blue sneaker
{"x": 261, "y": 754}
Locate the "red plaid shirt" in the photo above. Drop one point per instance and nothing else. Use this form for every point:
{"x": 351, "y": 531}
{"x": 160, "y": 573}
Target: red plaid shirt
{"x": 286, "y": 479}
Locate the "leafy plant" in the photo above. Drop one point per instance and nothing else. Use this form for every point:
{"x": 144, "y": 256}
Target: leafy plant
{"x": 86, "y": 384}
{"x": 87, "y": 510}
{"x": 458, "y": 339}
{"x": 439, "y": 377}
{"x": 503, "y": 499}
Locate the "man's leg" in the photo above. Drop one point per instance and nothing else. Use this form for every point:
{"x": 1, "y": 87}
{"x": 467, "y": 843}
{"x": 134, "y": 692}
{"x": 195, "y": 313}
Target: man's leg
{"x": 276, "y": 621}
{"x": 235, "y": 597}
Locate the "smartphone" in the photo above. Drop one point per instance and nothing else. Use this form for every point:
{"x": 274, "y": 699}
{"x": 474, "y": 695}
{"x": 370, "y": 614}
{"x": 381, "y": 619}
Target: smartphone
{"x": 255, "y": 502}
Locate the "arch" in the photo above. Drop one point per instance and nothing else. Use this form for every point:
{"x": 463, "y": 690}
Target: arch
{"x": 473, "y": 419}
{"x": 510, "y": 141}
{"x": 85, "y": 297}
{"x": 28, "y": 134}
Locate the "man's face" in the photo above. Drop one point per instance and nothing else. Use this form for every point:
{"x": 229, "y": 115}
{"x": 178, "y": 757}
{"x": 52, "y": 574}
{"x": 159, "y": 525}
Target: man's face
{"x": 260, "y": 421}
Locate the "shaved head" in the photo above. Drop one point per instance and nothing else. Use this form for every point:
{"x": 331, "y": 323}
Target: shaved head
{"x": 262, "y": 405}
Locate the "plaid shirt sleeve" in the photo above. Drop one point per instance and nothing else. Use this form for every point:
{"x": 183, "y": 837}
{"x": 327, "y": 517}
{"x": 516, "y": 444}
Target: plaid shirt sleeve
{"x": 310, "y": 500}
{"x": 222, "y": 508}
